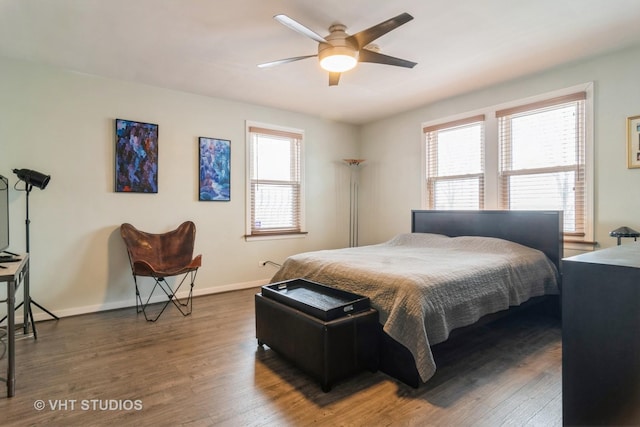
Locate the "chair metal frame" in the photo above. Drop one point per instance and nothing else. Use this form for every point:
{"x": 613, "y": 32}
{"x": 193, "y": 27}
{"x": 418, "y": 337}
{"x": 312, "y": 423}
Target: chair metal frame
{"x": 159, "y": 256}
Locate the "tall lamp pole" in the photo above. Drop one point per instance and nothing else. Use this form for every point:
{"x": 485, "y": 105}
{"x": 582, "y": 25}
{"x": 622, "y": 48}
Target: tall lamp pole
{"x": 27, "y": 222}
{"x": 32, "y": 178}
{"x": 354, "y": 165}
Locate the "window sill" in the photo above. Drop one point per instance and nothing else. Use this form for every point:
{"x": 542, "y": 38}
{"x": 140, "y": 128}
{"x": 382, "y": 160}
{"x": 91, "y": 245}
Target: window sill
{"x": 579, "y": 245}
{"x": 274, "y": 236}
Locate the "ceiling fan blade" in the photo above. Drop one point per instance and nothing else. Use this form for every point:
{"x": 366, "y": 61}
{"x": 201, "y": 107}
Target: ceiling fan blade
{"x": 284, "y": 61}
{"x": 365, "y": 37}
{"x": 378, "y": 58}
{"x": 298, "y": 27}
{"x": 334, "y": 78}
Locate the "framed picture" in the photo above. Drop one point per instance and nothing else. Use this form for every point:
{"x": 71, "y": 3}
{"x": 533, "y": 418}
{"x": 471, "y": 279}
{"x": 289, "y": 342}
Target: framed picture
{"x": 215, "y": 169}
{"x": 633, "y": 142}
{"x": 136, "y": 157}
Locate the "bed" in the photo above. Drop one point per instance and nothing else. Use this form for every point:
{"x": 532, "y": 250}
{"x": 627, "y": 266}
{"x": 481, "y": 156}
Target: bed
{"x": 454, "y": 269}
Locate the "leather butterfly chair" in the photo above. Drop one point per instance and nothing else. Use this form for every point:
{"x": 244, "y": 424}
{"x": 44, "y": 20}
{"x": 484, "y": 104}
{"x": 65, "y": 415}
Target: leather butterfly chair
{"x": 160, "y": 256}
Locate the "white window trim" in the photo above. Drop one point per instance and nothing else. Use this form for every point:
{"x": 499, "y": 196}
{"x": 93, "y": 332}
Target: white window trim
{"x": 303, "y": 227}
{"x": 491, "y": 158}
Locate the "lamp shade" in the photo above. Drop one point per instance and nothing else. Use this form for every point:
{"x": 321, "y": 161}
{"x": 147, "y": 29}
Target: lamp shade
{"x": 624, "y": 231}
{"x": 31, "y": 177}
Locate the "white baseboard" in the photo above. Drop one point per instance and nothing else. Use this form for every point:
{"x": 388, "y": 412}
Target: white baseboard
{"x": 197, "y": 291}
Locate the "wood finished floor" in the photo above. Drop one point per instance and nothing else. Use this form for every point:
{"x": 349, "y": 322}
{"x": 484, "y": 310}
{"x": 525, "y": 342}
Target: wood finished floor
{"x": 207, "y": 370}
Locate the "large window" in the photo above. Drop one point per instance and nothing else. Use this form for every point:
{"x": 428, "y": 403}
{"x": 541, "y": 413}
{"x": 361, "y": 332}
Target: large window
{"x": 455, "y": 164}
{"x": 529, "y": 155}
{"x": 542, "y": 158}
{"x": 275, "y": 185}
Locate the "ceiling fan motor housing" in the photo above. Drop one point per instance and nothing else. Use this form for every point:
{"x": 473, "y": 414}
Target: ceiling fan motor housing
{"x": 338, "y": 44}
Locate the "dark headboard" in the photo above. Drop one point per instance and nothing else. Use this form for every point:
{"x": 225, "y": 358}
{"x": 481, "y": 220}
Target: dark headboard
{"x": 541, "y": 230}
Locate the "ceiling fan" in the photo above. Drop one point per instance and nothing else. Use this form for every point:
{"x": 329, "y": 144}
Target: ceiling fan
{"x": 339, "y": 52}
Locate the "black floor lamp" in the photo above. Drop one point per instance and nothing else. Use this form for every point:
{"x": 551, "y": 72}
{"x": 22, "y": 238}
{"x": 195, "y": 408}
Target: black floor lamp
{"x": 32, "y": 179}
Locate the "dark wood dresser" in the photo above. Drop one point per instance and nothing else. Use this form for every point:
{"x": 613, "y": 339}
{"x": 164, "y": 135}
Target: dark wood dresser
{"x": 601, "y": 337}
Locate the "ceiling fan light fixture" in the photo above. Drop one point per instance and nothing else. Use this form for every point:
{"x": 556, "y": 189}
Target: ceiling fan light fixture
{"x": 338, "y": 63}
{"x": 338, "y": 59}
{"x": 339, "y": 52}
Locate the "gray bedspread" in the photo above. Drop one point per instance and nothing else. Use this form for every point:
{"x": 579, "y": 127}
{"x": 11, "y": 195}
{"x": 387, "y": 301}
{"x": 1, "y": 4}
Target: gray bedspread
{"x": 426, "y": 285}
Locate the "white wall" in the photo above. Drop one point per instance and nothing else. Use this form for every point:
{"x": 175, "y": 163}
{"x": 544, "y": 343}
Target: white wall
{"x": 62, "y": 123}
{"x": 391, "y": 181}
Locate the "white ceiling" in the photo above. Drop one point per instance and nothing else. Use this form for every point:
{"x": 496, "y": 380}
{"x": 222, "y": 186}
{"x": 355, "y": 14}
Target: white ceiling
{"x": 212, "y": 47}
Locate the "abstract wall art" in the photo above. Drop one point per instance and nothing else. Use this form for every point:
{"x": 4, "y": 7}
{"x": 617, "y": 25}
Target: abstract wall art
{"x": 136, "y": 168}
{"x": 215, "y": 169}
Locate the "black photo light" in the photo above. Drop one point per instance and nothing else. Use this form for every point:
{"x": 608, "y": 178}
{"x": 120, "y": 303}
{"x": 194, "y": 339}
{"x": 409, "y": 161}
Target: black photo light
{"x": 31, "y": 177}
{"x": 39, "y": 180}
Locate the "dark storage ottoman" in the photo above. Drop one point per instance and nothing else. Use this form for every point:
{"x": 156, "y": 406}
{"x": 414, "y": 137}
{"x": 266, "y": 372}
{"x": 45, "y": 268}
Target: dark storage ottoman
{"x": 327, "y": 350}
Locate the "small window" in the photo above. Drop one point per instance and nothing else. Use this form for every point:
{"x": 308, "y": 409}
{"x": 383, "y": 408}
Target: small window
{"x": 455, "y": 164}
{"x": 275, "y": 193}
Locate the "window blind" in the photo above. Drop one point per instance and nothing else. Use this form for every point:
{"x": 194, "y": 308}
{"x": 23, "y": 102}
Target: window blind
{"x": 455, "y": 164}
{"x": 542, "y": 158}
{"x": 275, "y": 175}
